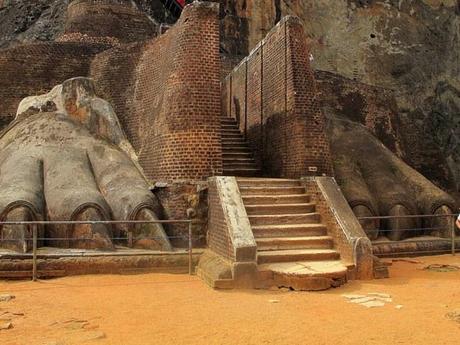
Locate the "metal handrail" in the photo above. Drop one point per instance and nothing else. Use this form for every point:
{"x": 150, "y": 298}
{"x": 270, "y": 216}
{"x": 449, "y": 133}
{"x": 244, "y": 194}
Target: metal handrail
{"x": 450, "y": 217}
{"x": 129, "y": 237}
{"x": 410, "y": 216}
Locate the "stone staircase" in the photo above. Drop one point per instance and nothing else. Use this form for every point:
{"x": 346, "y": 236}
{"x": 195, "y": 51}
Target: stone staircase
{"x": 238, "y": 159}
{"x": 293, "y": 246}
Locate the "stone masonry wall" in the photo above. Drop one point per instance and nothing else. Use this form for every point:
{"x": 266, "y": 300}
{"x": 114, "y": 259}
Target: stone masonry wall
{"x": 169, "y": 103}
{"x": 184, "y": 98}
{"x": 272, "y": 94}
{"x": 36, "y": 68}
{"x": 107, "y": 69}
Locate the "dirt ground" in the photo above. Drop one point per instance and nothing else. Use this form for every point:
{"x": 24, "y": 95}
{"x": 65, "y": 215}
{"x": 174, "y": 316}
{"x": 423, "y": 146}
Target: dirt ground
{"x": 180, "y": 309}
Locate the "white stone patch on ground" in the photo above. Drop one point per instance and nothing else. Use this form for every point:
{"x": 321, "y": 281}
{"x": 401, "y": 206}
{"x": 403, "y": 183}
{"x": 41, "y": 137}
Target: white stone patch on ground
{"x": 370, "y": 300}
{"x": 6, "y": 298}
{"x": 454, "y": 315}
{"x": 5, "y": 324}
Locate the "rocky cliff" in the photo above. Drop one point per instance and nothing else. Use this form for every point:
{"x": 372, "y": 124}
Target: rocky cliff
{"x": 43, "y": 20}
{"x": 408, "y": 47}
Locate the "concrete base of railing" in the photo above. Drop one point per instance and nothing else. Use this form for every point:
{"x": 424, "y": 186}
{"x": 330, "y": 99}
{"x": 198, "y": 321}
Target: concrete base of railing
{"x": 53, "y": 263}
{"x": 415, "y": 247}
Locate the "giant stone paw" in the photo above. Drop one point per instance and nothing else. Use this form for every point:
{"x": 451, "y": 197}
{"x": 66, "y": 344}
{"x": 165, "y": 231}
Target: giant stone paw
{"x": 377, "y": 183}
{"x": 65, "y": 157}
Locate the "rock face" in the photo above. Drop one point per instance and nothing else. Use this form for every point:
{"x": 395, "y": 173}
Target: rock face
{"x": 44, "y": 20}
{"x": 24, "y": 21}
{"x": 410, "y": 47}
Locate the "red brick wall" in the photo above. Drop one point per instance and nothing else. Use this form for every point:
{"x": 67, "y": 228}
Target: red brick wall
{"x": 169, "y": 98}
{"x": 178, "y": 98}
{"x": 116, "y": 19}
{"x": 274, "y": 93}
{"x": 372, "y": 106}
{"x": 115, "y": 74}
{"x": 36, "y": 68}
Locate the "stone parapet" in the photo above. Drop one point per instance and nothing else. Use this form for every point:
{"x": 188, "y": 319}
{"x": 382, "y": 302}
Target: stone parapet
{"x": 229, "y": 233}
{"x": 349, "y": 237}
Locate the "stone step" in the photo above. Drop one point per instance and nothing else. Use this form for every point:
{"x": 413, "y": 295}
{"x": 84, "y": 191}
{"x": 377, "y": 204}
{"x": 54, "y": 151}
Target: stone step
{"x": 232, "y": 133}
{"x": 280, "y": 219}
{"x": 232, "y": 138}
{"x": 249, "y": 172}
{"x": 230, "y": 127}
{"x": 264, "y": 257}
{"x": 237, "y": 141}
{"x": 233, "y": 145}
{"x": 239, "y": 166}
{"x": 273, "y": 209}
{"x": 227, "y": 120}
{"x": 271, "y": 190}
{"x": 238, "y": 160}
{"x": 276, "y": 199}
{"x": 282, "y": 243}
{"x": 326, "y": 268}
{"x": 235, "y": 149}
{"x": 304, "y": 275}
{"x": 291, "y": 230}
{"x": 267, "y": 182}
{"x": 237, "y": 155}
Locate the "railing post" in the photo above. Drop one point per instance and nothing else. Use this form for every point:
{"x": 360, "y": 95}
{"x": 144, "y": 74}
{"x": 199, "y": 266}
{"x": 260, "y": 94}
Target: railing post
{"x": 34, "y": 253}
{"x": 190, "y": 245}
{"x": 452, "y": 221}
{"x": 130, "y": 239}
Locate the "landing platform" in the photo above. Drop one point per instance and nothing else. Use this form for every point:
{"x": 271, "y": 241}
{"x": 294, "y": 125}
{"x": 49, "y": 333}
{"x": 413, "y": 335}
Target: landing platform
{"x": 330, "y": 269}
{"x": 303, "y": 275}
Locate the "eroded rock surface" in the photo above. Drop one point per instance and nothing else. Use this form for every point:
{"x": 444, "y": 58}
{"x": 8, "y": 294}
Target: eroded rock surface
{"x": 408, "y": 46}
{"x": 376, "y": 182}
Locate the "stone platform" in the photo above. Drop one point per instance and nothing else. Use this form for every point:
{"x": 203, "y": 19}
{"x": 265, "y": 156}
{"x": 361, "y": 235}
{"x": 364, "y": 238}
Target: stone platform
{"x": 53, "y": 262}
{"x": 417, "y": 246}
{"x": 308, "y": 275}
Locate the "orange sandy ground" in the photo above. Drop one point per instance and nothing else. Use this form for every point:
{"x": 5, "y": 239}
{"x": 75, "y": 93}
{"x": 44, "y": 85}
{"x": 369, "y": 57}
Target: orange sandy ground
{"x": 179, "y": 309}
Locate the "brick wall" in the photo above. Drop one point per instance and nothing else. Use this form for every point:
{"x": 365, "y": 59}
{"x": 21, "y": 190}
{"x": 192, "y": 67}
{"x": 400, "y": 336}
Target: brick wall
{"x": 187, "y": 137}
{"x": 178, "y": 198}
{"x": 273, "y": 95}
{"x": 372, "y": 106}
{"x": 115, "y": 74}
{"x": 171, "y": 108}
{"x": 218, "y": 238}
{"x": 119, "y": 20}
{"x": 36, "y": 68}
